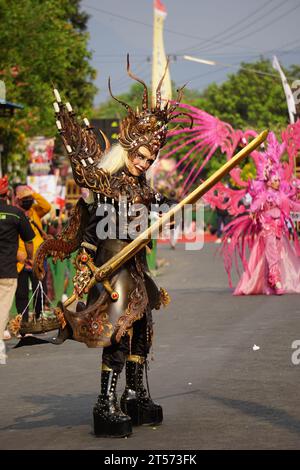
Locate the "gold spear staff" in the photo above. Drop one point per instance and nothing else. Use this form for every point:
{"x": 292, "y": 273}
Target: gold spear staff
{"x": 104, "y": 272}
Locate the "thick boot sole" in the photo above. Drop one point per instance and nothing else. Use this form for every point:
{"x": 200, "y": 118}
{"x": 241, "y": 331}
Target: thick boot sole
{"x": 147, "y": 416}
{"x": 113, "y": 428}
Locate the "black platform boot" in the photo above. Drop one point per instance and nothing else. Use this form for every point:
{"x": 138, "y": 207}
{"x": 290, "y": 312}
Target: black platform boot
{"x": 109, "y": 420}
{"x": 135, "y": 401}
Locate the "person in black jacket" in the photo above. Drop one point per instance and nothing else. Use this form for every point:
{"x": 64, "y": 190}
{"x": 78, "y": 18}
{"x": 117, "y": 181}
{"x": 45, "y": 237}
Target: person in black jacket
{"x": 13, "y": 223}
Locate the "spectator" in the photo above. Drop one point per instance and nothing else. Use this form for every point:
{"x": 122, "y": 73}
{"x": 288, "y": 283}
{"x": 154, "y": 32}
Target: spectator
{"x": 222, "y": 221}
{"x": 34, "y": 206}
{"x": 13, "y": 224}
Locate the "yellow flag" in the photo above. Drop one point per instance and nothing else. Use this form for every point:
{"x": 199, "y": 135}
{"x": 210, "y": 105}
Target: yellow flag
{"x": 159, "y": 56}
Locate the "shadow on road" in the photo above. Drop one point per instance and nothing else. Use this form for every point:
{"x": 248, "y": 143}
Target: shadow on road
{"x": 57, "y": 410}
{"x": 272, "y": 415}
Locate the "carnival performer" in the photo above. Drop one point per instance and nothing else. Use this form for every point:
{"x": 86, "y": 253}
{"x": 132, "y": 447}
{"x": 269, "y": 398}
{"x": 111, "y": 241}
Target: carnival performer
{"x": 109, "y": 230}
{"x": 117, "y": 183}
{"x": 263, "y": 227}
{"x": 273, "y": 266}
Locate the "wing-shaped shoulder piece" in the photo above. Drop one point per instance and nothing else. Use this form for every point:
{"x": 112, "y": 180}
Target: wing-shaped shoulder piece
{"x": 81, "y": 143}
{"x": 66, "y": 243}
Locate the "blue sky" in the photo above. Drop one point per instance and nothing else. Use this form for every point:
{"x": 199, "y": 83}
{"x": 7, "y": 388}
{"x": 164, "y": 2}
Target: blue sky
{"x": 226, "y": 31}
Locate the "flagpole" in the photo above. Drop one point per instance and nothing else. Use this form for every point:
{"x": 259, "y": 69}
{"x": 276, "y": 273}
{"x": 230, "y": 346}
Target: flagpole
{"x": 159, "y": 61}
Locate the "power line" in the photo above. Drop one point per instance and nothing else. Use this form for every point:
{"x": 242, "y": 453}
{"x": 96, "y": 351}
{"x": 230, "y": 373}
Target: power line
{"x": 232, "y": 26}
{"x": 197, "y": 37}
{"x": 148, "y": 25}
{"x": 251, "y": 70}
{"x": 132, "y": 20}
{"x": 253, "y": 22}
{"x": 187, "y": 80}
{"x": 101, "y": 61}
{"x": 211, "y": 49}
{"x": 119, "y": 82}
{"x": 119, "y": 55}
{"x": 296, "y": 41}
{"x": 291, "y": 43}
{"x": 244, "y": 19}
{"x": 120, "y": 89}
{"x": 274, "y": 20}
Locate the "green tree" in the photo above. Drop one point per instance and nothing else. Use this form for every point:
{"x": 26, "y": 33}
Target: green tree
{"x": 43, "y": 43}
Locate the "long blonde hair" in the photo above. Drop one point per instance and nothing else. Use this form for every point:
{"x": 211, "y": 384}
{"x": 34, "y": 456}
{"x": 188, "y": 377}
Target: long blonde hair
{"x": 114, "y": 160}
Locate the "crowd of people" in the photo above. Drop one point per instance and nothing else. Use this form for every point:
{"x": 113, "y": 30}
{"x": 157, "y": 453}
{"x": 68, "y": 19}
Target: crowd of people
{"x": 27, "y": 219}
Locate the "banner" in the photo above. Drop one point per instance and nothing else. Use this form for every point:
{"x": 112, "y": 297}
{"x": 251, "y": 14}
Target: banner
{"x": 287, "y": 90}
{"x": 45, "y": 185}
{"x": 40, "y": 155}
{"x": 159, "y": 56}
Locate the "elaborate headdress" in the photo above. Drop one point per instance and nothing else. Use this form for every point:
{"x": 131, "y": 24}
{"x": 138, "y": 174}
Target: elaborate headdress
{"x": 147, "y": 127}
{"x": 268, "y": 164}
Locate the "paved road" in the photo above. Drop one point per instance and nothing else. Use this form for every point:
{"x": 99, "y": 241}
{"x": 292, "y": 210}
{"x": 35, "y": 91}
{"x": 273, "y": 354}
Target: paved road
{"x": 216, "y": 391}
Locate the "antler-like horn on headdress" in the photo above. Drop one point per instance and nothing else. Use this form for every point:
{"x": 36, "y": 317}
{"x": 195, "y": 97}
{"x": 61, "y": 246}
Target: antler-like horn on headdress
{"x": 174, "y": 106}
{"x": 106, "y": 141}
{"x": 158, "y": 92}
{"x": 134, "y": 77}
{"x": 178, "y": 99}
{"x": 129, "y": 109}
{"x": 147, "y": 127}
{"x": 182, "y": 114}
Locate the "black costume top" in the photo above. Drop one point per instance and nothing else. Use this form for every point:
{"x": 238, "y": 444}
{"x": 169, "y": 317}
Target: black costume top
{"x": 105, "y": 321}
{"x": 13, "y": 223}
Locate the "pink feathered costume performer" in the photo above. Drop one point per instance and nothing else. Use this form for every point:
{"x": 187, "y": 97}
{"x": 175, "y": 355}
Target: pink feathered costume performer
{"x": 268, "y": 231}
{"x": 264, "y": 232}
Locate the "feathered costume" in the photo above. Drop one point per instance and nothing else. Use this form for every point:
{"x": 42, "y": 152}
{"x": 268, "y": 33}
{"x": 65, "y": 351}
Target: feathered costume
{"x": 265, "y": 229}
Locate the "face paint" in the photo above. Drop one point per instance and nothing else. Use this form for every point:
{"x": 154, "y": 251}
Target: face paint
{"x": 140, "y": 160}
